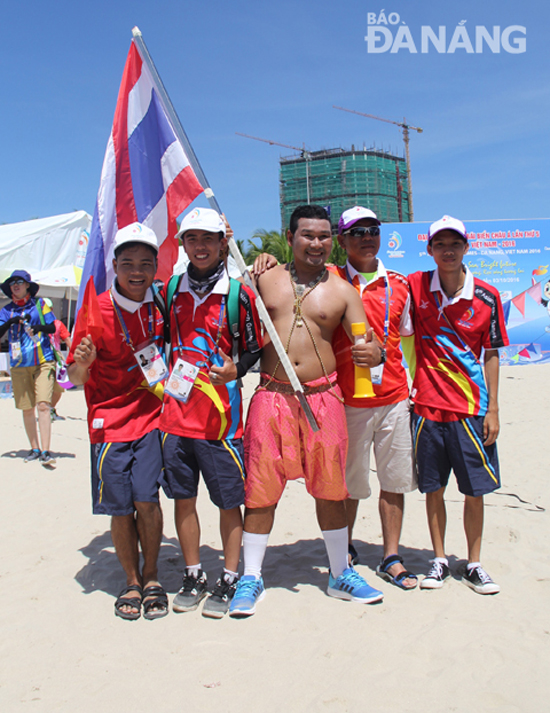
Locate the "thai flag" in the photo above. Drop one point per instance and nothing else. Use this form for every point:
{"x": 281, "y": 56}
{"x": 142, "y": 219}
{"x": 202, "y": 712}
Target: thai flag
{"x": 146, "y": 176}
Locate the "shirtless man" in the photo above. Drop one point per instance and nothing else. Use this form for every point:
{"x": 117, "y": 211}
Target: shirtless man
{"x": 306, "y": 304}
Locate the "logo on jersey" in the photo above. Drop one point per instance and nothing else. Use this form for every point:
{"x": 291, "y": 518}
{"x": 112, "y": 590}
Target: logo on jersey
{"x": 465, "y": 320}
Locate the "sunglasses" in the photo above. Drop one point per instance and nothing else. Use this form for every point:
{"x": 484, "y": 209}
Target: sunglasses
{"x": 18, "y": 282}
{"x": 361, "y": 231}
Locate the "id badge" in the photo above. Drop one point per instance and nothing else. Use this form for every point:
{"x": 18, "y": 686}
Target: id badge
{"x": 15, "y": 350}
{"x": 151, "y": 363}
{"x": 181, "y": 380}
{"x": 376, "y": 373}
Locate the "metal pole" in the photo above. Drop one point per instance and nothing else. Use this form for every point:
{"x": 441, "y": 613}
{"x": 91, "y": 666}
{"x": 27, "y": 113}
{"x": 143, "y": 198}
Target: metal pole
{"x": 409, "y": 181}
{"x": 209, "y": 193}
{"x": 306, "y": 156}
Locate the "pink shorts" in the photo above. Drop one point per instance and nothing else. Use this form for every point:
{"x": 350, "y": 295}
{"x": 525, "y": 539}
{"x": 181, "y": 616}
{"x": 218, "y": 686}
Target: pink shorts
{"x": 279, "y": 445}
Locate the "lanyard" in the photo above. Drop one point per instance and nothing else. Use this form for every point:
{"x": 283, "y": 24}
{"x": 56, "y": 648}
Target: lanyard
{"x": 387, "y": 309}
{"x": 442, "y": 312}
{"x": 220, "y": 326}
{"x": 127, "y": 337}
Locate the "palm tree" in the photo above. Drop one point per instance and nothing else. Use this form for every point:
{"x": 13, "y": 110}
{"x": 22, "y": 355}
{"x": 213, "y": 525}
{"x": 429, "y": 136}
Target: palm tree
{"x": 242, "y": 249}
{"x": 337, "y": 254}
{"x": 272, "y": 242}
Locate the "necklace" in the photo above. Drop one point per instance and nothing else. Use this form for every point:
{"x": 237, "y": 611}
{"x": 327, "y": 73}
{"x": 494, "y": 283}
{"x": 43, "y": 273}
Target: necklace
{"x": 458, "y": 289}
{"x": 299, "y": 290}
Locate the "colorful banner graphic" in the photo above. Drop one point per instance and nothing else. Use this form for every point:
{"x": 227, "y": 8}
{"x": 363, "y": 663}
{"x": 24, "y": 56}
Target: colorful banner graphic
{"x": 512, "y": 255}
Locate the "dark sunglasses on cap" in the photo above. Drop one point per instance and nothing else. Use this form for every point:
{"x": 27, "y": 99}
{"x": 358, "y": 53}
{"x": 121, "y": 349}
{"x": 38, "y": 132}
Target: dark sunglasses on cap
{"x": 360, "y": 231}
{"x": 19, "y": 281}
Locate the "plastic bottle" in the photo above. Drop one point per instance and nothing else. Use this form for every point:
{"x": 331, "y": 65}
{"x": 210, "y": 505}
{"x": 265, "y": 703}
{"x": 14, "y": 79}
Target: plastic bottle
{"x": 363, "y": 381}
{"x": 28, "y": 329}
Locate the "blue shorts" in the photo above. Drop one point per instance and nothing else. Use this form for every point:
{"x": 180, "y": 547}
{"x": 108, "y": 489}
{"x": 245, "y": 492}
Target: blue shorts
{"x": 457, "y": 445}
{"x": 220, "y": 462}
{"x": 126, "y": 473}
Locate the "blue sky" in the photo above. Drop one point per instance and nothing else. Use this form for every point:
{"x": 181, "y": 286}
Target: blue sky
{"x": 274, "y": 70}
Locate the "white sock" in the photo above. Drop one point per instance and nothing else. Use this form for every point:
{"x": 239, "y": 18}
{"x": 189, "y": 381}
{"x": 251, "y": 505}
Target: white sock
{"x": 254, "y": 547}
{"x": 336, "y": 542}
{"x": 193, "y": 570}
{"x": 473, "y": 565}
{"x": 230, "y": 576}
{"x": 442, "y": 560}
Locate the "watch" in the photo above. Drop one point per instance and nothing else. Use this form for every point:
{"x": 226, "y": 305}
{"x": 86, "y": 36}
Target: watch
{"x": 383, "y": 355}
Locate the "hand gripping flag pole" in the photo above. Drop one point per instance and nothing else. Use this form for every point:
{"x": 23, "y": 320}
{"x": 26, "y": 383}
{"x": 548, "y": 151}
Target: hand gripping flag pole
{"x": 209, "y": 193}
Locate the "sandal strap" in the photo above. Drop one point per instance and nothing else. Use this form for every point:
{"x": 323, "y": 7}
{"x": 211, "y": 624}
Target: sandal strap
{"x": 154, "y": 597}
{"x": 404, "y": 575}
{"x": 160, "y": 601}
{"x": 390, "y": 561}
{"x": 131, "y": 588}
{"x": 128, "y": 602}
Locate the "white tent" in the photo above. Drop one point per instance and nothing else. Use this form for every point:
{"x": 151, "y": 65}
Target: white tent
{"x": 51, "y": 249}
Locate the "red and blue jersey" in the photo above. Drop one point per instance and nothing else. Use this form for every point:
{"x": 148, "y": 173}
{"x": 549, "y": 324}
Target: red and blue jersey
{"x": 450, "y": 336}
{"x": 199, "y": 329}
{"x": 122, "y": 407}
{"x": 33, "y": 350}
{"x": 386, "y": 300}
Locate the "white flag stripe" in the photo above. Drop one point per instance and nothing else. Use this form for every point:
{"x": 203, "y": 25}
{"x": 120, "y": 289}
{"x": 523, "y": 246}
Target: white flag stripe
{"x": 172, "y": 163}
{"x": 139, "y": 99}
{"x": 157, "y": 220}
{"x": 106, "y": 197}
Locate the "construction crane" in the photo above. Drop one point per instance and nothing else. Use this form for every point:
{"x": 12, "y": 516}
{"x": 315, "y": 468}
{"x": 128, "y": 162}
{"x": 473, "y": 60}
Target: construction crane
{"x": 305, "y": 154}
{"x": 406, "y": 127}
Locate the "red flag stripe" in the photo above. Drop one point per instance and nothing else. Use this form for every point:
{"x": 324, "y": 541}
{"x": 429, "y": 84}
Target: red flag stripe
{"x": 125, "y": 206}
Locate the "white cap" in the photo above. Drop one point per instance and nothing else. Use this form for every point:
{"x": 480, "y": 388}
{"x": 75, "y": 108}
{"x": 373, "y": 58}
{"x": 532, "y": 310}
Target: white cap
{"x": 202, "y": 219}
{"x": 352, "y": 215}
{"x": 136, "y": 233}
{"x": 447, "y": 223}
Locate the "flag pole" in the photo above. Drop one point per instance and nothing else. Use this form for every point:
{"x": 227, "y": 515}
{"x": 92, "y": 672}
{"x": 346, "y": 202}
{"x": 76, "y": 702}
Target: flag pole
{"x": 233, "y": 247}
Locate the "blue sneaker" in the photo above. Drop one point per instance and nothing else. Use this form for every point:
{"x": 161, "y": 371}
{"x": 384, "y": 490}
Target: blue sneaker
{"x": 249, "y": 591}
{"x": 350, "y": 585}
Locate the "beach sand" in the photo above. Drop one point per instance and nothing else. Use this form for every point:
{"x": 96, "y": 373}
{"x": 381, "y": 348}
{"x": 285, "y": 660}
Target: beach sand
{"x": 62, "y": 649}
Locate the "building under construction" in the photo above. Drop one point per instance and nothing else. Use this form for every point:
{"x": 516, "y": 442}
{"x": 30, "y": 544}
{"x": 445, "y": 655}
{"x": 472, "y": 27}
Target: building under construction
{"x": 339, "y": 179}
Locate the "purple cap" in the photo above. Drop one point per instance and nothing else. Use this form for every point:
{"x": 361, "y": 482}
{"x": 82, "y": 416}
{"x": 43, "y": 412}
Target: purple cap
{"x": 352, "y": 215}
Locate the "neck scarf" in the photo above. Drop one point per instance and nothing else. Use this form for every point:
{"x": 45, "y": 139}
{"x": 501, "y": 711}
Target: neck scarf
{"x": 204, "y": 283}
{"x": 22, "y": 302}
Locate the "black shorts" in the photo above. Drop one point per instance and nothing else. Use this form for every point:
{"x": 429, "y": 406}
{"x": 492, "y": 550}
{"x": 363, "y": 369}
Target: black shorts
{"x": 457, "y": 445}
{"x": 126, "y": 473}
{"x": 220, "y": 462}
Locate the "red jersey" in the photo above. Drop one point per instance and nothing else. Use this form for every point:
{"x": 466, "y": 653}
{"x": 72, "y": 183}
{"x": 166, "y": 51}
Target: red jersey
{"x": 198, "y": 329}
{"x": 386, "y": 300}
{"x": 121, "y": 405}
{"x": 450, "y": 335}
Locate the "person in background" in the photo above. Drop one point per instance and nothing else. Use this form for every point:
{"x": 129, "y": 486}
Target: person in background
{"x": 61, "y": 335}
{"x": 29, "y": 323}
